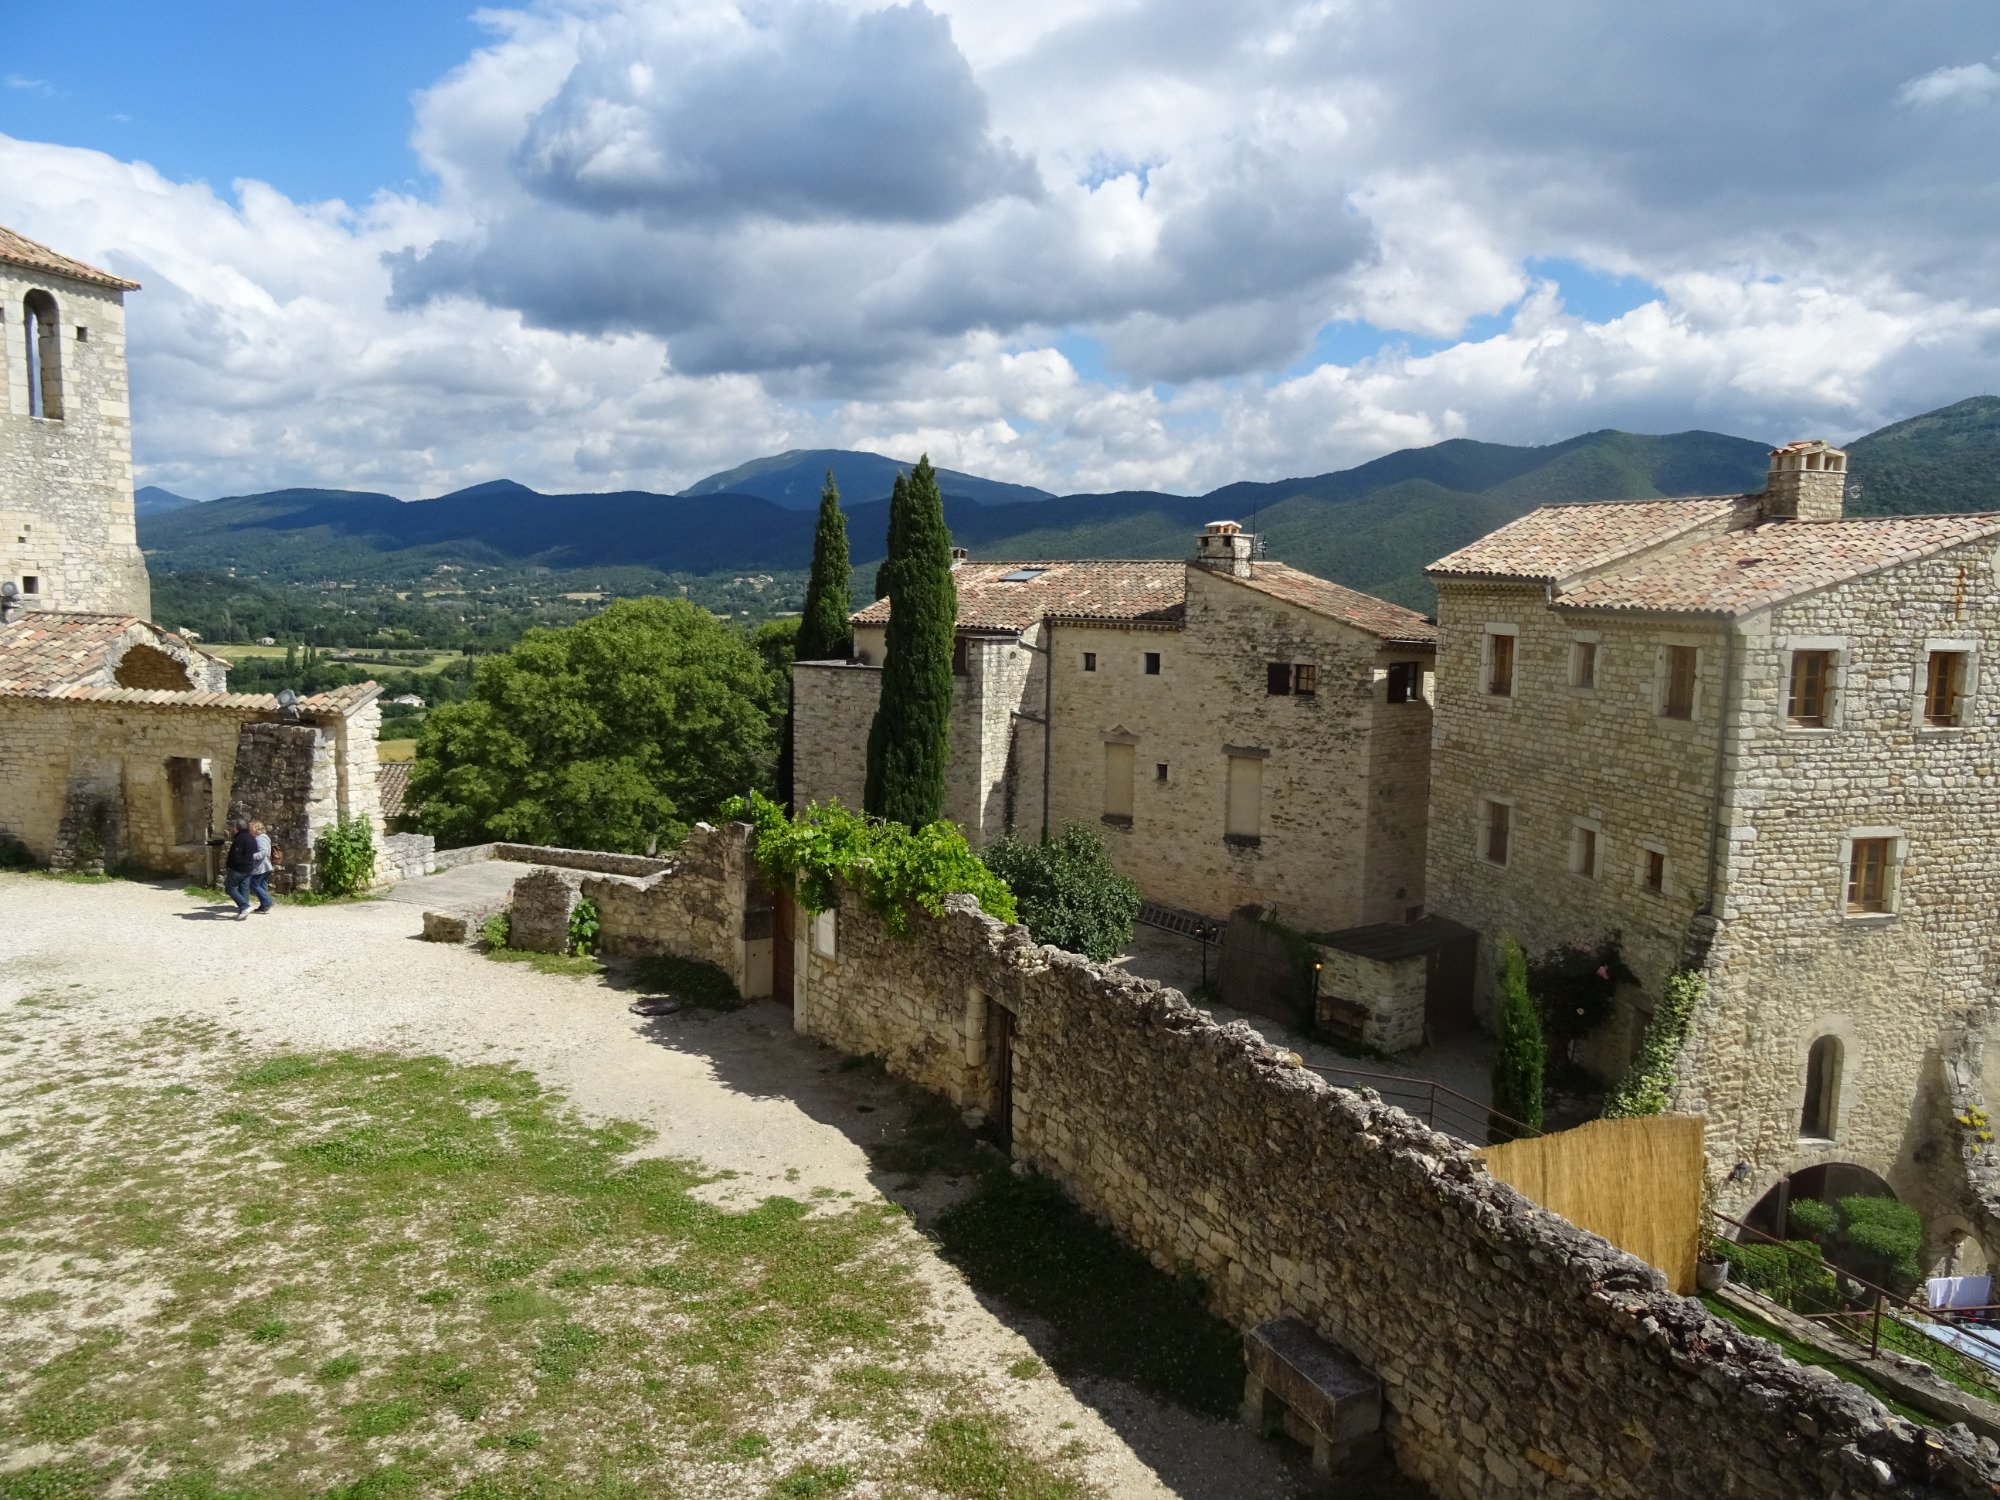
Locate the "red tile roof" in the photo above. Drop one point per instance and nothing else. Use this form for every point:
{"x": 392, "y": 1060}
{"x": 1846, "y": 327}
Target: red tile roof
{"x": 392, "y": 784}
{"x": 1558, "y": 542}
{"x": 1135, "y": 592}
{"x": 1743, "y": 571}
{"x": 1364, "y": 612}
{"x": 19, "y": 250}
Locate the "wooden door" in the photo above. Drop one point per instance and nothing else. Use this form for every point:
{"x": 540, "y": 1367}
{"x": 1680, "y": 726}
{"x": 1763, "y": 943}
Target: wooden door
{"x": 1448, "y": 980}
{"x": 1001, "y": 1030}
{"x": 784, "y": 929}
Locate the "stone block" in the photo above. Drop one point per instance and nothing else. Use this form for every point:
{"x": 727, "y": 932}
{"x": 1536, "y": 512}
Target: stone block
{"x": 1295, "y": 1376}
{"x": 446, "y": 927}
{"x": 543, "y": 901}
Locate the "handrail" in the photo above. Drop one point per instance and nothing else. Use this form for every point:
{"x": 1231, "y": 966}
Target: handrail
{"x": 1478, "y": 1116}
{"x": 1883, "y": 1300}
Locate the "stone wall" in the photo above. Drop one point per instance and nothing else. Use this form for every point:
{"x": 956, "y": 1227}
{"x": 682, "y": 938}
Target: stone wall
{"x": 706, "y": 903}
{"x": 833, "y": 704}
{"x": 405, "y": 856}
{"x": 1519, "y": 1356}
{"x": 540, "y": 907}
{"x": 1389, "y": 992}
{"x": 66, "y": 518}
{"x": 285, "y": 778}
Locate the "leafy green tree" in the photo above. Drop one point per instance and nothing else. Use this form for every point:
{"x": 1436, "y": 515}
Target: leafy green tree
{"x": 824, "y": 633}
{"x": 911, "y": 737}
{"x": 616, "y": 733}
{"x": 1068, "y": 892}
{"x": 1517, "y": 1068}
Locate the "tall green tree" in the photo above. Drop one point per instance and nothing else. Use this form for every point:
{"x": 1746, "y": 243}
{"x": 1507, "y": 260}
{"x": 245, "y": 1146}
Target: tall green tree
{"x": 616, "y": 733}
{"x": 910, "y": 739}
{"x": 823, "y": 629}
{"x": 1518, "y": 1065}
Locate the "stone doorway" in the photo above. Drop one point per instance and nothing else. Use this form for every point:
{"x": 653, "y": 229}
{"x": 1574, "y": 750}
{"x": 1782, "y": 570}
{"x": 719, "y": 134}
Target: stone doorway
{"x": 1000, "y": 1069}
{"x": 191, "y": 799}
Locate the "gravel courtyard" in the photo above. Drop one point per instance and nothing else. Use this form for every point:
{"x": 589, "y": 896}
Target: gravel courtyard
{"x": 306, "y": 1206}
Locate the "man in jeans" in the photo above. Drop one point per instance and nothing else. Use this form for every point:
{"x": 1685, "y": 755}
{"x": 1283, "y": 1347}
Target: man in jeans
{"x": 260, "y": 869}
{"x": 240, "y": 866}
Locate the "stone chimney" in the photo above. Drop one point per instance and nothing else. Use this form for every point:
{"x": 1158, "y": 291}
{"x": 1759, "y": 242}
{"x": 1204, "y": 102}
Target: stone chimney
{"x": 958, "y": 556}
{"x": 1806, "y": 483}
{"x": 1225, "y": 547}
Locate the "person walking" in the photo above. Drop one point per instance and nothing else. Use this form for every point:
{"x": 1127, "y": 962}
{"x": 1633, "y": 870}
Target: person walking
{"x": 260, "y": 869}
{"x": 239, "y": 866}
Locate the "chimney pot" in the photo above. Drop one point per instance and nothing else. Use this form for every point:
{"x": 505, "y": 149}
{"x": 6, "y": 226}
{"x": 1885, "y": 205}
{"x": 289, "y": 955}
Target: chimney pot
{"x": 1225, "y": 547}
{"x": 1807, "y": 481}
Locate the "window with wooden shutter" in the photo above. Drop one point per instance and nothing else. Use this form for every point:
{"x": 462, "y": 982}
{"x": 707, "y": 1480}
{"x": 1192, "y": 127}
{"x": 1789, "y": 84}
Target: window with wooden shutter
{"x": 1499, "y": 830}
{"x": 1810, "y": 702}
{"x": 1868, "y": 876}
{"x": 1305, "y": 679}
{"x": 1118, "y": 765}
{"x": 1406, "y": 679}
{"x": 1277, "y": 678}
{"x": 1500, "y": 665}
{"x": 1583, "y": 665}
{"x": 1242, "y": 816}
{"x": 1944, "y": 689}
{"x": 1677, "y": 699}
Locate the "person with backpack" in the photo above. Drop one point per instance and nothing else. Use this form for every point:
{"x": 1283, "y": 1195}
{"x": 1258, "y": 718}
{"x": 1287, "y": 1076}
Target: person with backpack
{"x": 240, "y": 866}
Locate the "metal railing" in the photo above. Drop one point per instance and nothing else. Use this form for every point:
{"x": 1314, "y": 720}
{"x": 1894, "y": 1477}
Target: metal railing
{"x": 1437, "y": 1105}
{"x": 1873, "y": 1319}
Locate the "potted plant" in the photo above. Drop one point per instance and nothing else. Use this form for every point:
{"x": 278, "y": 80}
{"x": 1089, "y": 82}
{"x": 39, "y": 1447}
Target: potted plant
{"x": 1711, "y": 1270}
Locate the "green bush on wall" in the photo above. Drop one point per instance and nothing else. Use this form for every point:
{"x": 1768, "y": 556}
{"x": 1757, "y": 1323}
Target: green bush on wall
{"x": 344, "y": 862}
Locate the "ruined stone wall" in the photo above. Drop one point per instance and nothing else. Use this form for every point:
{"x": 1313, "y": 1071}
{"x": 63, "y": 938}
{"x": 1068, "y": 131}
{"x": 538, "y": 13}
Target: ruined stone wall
{"x": 286, "y": 778}
{"x": 405, "y": 856}
{"x": 1790, "y": 964}
{"x": 53, "y": 751}
{"x": 1559, "y": 754}
{"x": 700, "y": 906}
{"x": 66, "y": 485}
{"x": 1519, "y": 1356}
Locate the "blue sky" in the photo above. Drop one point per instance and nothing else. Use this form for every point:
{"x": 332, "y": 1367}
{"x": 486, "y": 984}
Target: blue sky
{"x": 1082, "y": 244}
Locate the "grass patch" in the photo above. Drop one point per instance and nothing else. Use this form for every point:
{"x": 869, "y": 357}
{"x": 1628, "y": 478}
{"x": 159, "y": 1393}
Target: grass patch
{"x": 697, "y": 985}
{"x": 570, "y": 965}
{"x": 1806, "y": 1354}
{"x": 368, "y": 1275}
{"x": 1111, "y": 1311}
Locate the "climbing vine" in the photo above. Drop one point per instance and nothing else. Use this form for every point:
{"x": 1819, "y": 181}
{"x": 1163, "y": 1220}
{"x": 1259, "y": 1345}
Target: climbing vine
{"x": 892, "y": 868}
{"x": 1649, "y": 1082}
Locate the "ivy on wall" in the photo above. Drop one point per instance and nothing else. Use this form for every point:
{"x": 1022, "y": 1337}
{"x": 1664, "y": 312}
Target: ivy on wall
{"x": 892, "y": 868}
{"x": 1649, "y": 1082}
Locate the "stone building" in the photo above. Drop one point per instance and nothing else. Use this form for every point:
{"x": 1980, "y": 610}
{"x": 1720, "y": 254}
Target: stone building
{"x": 1240, "y": 731}
{"x": 120, "y": 744}
{"x": 67, "y": 537}
{"x": 1748, "y": 735}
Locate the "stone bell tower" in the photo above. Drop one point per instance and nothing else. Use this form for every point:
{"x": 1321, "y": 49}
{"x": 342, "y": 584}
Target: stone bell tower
{"x": 68, "y": 540}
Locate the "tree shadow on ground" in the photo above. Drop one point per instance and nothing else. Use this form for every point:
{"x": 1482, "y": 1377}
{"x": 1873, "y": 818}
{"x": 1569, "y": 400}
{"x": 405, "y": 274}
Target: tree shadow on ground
{"x": 1132, "y": 1343}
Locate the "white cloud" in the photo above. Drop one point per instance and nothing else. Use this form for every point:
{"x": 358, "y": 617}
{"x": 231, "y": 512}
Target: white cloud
{"x": 21, "y": 84}
{"x": 667, "y": 235}
{"x": 1970, "y": 87}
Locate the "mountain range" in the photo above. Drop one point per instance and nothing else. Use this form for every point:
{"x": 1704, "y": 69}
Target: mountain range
{"x": 1372, "y": 527}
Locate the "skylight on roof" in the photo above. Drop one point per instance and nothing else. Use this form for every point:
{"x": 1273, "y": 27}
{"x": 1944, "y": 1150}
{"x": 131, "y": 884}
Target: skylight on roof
{"x": 1023, "y": 575}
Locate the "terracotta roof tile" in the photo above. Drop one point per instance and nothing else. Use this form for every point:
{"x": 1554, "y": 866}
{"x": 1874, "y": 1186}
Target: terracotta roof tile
{"x": 1137, "y": 592}
{"x": 1365, "y": 612}
{"x": 1743, "y": 571}
{"x": 1560, "y": 541}
{"x": 19, "y": 250}
{"x": 392, "y": 783}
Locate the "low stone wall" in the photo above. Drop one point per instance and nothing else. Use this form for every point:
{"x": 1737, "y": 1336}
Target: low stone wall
{"x": 404, "y": 856}
{"x": 1519, "y": 1356}
{"x": 561, "y": 859}
{"x": 703, "y": 904}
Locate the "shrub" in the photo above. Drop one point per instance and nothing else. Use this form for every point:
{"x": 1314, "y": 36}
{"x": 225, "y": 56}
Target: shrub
{"x": 344, "y": 862}
{"x": 1067, "y": 891}
{"x": 1574, "y": 989}
{"x": 1879, "y": 1241}
{"x": 1649, "y": 1082}
{"x": 1810, "y": 1219}
{"x": 1517, "y": 1068}
{"x": 1793, "y": 1274}
{"x": 583, "y": 927}
{"x": 497, "y": 930}
{"x": 890, "y": 867}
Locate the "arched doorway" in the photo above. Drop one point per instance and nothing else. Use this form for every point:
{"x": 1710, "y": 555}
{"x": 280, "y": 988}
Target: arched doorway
{"x": 1826, "y": 1182}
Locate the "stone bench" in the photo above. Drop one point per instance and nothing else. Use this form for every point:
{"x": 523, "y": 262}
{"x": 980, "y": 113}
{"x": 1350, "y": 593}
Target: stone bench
{"x": 1300, "y": 1383}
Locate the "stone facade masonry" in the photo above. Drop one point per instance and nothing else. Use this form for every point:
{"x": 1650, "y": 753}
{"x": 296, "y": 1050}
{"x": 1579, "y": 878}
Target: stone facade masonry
{"x": 66, "y": 511}
{"x": 1344, "y": 773}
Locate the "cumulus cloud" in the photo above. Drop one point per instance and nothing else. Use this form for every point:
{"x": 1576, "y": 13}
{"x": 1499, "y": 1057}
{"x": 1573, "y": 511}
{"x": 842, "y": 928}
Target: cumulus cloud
{"x": 666, "y": 235}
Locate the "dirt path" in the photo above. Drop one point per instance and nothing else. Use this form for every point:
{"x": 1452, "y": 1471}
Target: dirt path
{"x": 740, "y": 1093}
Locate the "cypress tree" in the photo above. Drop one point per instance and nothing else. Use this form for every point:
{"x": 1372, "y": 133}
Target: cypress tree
{"x": 1517, "y": 1067}
{"x": 823, "y": 631}
{"x": 911, "y": 736}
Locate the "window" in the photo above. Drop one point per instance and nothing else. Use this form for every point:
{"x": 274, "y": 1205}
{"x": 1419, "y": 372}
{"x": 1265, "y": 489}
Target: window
{"x": 44, "y": 356}
{"x": 1677, "y": 696}
{"x": 1090, "y": 661}
{"x": 1023, "y": 575}
{"x": 1160, "y": 771}
{"x": 1583, "y": 665}
{"x": 1822, "y": 1089}
{"x": 959, "y": 665}
{"x": 1944, "y": 689}
{"x": 1810, "y": 702}
{"x": 1500, "y": 664}
{"x": 1152, "y": 664}
{"x": 82, "y": 334}
{"x": 1118, "y": 783}
{"x": 824, "y": 933}
{"x": 1653, "y": 870}
{"x": 30, "y": 583}
{"x": 1406, "y": 681}
{"x": 1868, "y": 876}
{"x": 1246, "y": 791}
{"x": 1285, "y": 679}
{"x": 1498, "y": 821}
{"x": 1583, "y": 851}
